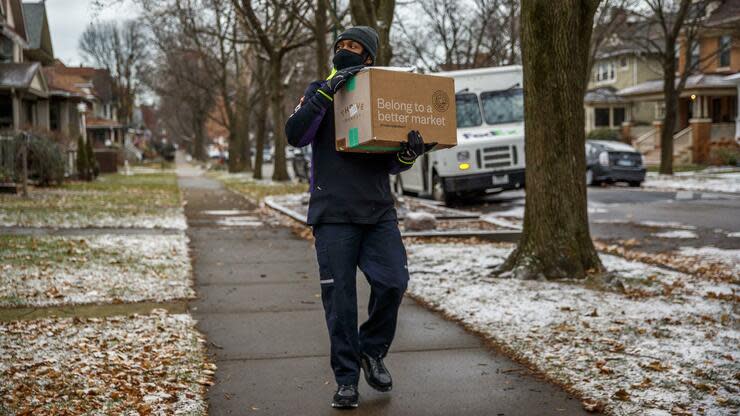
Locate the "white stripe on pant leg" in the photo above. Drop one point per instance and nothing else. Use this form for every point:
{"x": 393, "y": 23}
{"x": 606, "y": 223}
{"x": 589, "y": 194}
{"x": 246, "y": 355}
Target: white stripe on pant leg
{"x": 326, "y": 281}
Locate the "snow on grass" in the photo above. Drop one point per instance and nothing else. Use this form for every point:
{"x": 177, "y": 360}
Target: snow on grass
{"x": 43, "y": 271}
{"x": 141, "y": 201}
{"x": 696, "y": 181}
{"x": 135, "y": 365}
{"x": 683, "y": 234}
{"x": 651, "y": 354}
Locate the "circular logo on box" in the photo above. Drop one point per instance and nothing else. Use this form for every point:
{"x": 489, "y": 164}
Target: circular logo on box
{"x": 440, "y": 101}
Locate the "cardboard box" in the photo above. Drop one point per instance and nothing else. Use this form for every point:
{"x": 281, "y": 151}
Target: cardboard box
{"x": 377, "y": 108}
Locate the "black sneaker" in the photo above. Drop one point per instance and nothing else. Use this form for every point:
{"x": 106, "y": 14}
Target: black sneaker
{"x": 376, "y": 375}
{"x": 346, "y": 397}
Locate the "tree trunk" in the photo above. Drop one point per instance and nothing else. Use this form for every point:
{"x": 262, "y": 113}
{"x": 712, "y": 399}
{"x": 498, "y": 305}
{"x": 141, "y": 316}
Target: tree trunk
{"x": 259, "y": 146}
{"x": 199, "y": 148}
{"x": 555, "y": 241}
{"x": 234, "y": 163}
{"x": 280, "y": 167}
{"x": 243, "y": 130}
{"x": 320, "y": 23}
{"x": 378, "y": 15}
{"x": 670, "y": 98}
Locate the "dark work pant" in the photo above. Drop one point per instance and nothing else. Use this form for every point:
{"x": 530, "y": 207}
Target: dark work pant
{"x": 379, "y": 252}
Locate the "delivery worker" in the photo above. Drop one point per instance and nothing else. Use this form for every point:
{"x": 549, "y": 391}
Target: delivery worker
{"x": 354, "y": 223}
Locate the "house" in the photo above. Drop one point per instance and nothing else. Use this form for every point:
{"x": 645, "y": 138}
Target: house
{"x": 90, "y": 91}
{"x": 708, "y": 105}
{"x": 618, "y": 64}
{"x": 23, "y": 88}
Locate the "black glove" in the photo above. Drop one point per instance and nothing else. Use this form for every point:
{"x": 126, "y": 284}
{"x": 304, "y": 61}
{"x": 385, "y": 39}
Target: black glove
{"x": 339, "y": 79}
{"x": 413, "y": 148}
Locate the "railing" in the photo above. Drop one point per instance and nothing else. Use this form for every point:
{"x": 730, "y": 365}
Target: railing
{"x": 647, "y": 141}
{"x": 682, "y": 139}
{"x": 722, "y": 132}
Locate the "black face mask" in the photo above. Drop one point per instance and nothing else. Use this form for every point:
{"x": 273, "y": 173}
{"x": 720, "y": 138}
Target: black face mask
{"x": 345, "y": 59}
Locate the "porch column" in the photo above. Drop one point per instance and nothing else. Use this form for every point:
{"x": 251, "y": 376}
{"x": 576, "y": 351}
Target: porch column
{"x": 627, "y": 132}
{"x": 658, "y": 124}
{"x": 64, "y": 119}
{"x": 16, "y": 111}
{"x": 701, "y": 132}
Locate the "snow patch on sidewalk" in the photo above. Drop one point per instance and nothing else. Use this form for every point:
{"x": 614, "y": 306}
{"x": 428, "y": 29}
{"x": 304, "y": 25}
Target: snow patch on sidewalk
{"x": 636, "y": 354}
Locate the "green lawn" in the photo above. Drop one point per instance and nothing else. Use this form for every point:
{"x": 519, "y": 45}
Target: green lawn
{"x": 111, "y": 200}
{"x": 257, "y": 190}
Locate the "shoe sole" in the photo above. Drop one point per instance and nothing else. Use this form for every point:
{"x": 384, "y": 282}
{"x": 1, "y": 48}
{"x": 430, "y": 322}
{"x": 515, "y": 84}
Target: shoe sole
{"x": 373, "y": 385}
{"x": 344, "y": 406}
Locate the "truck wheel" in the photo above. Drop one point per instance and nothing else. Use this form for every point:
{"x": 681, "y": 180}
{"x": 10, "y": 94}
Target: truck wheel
{"x": 397, "y": 186}
{"x": 438, "y": 191}
{"x": 635, "y": 184}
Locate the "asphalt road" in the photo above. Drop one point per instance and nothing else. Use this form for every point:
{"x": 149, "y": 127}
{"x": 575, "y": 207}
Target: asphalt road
{"x": 618, "y": 212}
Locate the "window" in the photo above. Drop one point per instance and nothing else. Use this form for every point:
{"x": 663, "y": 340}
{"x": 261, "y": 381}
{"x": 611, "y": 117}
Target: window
{"x": 725, "y": 47}
{"x": 605, "y": 71}
{"x": 6, "y": 49}
{"x": 618, "y": 116}
{"x": 623, "y": 62}
{"x": 468, "y": 111}
{"x": 505, "y": 106}
{"x": 601, "y": 117}
{"x": 694, "y": 59}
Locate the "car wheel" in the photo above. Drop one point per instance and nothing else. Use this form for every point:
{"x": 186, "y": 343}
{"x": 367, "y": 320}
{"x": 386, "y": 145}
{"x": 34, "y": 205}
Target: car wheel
{"x": 635, "y": 184}
{"x": 438, "y": 191}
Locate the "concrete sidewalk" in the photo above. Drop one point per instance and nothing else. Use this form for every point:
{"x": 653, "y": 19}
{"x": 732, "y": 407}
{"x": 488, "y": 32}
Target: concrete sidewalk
{"x": 260, "y": 309}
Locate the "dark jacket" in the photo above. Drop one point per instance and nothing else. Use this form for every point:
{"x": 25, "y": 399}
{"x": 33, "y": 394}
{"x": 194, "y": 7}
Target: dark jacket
{"x": 345, "y": 187}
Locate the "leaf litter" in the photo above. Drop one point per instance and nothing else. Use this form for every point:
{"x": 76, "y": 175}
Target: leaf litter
{"x": 153, "y": 364}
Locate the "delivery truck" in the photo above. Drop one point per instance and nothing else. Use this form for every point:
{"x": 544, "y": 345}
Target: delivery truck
{"x": 489, "y": 156}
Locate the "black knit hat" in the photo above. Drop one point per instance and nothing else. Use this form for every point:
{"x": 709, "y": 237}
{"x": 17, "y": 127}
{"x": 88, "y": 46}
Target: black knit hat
{"x": 364, "y": 35}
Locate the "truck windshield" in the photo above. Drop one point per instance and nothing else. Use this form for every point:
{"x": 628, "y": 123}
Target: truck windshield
{"x": 468, "y": 111}
{"x": 505, "y": 106}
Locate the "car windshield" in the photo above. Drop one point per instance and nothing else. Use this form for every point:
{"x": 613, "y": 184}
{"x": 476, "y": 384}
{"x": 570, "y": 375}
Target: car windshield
{"x": 505, "y": 106}
{"x": 468, "y": 111}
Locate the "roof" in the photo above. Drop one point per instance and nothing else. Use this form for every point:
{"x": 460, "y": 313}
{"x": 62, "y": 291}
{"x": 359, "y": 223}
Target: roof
{"x": 18, "y": 74}
{"x": 81, "y": 81}
{"x": 34, "y": 14}
{"x": 606, "y": 95}
{"x": 700, "y": 81}
{"x": 102, "y": 123}
{"x": 20, "y": 25}
{"x": 69, "y": 85}
{"x": 726, "y": 13}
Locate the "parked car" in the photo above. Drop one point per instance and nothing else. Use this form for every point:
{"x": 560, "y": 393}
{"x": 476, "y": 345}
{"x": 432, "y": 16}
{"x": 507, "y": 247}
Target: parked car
{"x": 611, "y": 161}
{"x": 302, "y": 163}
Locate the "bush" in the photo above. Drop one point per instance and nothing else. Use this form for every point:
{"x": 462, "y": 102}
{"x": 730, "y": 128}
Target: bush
{"x": 726, "y": 156}
{"x": 603, "y": 134}
{"x": 45, "y": 161}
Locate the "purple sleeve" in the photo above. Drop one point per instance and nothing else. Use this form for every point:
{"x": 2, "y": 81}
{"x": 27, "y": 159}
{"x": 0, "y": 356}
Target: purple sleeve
{"x": 310, "y": 133}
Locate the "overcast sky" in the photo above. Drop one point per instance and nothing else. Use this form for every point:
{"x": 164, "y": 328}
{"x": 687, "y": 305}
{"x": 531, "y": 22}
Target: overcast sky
{"x": 69, "y": 18}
